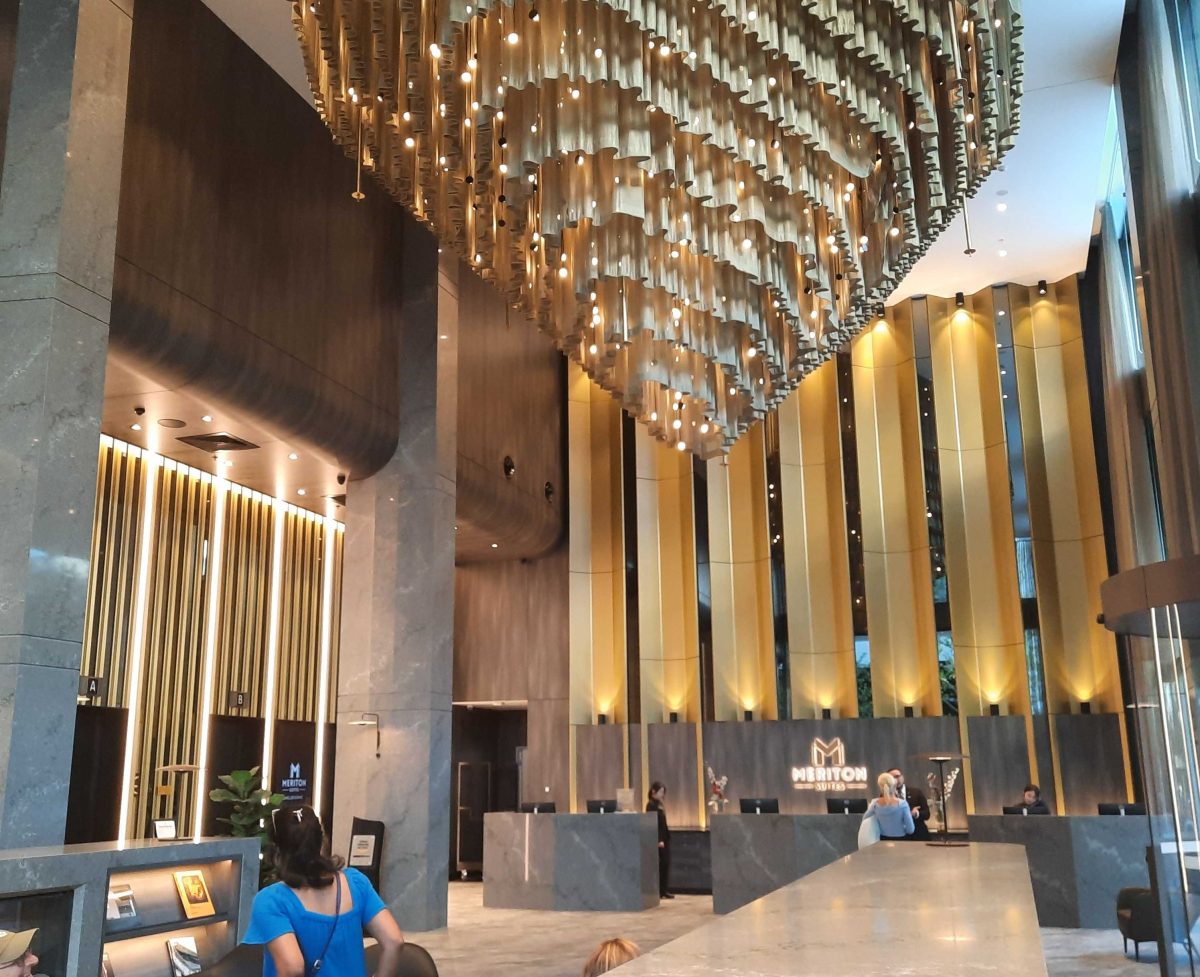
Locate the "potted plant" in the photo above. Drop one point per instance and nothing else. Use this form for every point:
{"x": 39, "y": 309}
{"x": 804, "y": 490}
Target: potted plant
{"x": 252, "y": 807}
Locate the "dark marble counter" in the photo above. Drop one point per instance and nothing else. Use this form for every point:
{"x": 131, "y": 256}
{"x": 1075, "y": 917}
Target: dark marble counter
{"x": 753, "y": 854}
{"x": 975, "y": 915}
{"x": 570, "y": 861}
{"x": 1078, "y": 864}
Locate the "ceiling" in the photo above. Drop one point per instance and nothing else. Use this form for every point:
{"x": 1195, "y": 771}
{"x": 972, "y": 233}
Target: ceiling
{"x": 1049, "y": 182}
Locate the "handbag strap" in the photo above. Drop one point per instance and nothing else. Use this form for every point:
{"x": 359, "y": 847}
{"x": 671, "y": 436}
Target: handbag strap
{"x": 337, "y": 915}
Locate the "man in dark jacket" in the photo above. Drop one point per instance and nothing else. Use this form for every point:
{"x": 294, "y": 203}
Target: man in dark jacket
{"x": 917, "y": 803}
{"x": 1032, "y": 801}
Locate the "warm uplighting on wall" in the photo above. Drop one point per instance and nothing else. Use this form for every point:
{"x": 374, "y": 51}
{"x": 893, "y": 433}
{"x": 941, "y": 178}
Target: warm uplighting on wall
{"x": 212, "y": 612}
{"x": 1041, "y": 287}
{"x": 277, "y": 513}
{"x": 138, "y": 637}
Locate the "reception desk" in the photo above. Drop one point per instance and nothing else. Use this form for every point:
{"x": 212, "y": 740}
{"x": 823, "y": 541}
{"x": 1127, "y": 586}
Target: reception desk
{"x": 598, "y": 862}
{"x": 753, "y": 854}
{"x": 957, "y": 911}
{"x": 1077, "y": 864}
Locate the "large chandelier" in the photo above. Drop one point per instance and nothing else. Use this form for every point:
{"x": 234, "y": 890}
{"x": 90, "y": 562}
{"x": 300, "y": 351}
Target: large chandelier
{"x": 700, "y": 200}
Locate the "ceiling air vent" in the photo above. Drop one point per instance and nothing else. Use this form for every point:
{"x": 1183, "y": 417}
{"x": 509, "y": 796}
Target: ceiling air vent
{"x": 221, "y": 441}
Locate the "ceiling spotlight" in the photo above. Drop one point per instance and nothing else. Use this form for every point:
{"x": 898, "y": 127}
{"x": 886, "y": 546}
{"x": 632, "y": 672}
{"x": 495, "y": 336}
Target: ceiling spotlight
{"x": 293, "y": 457}
{"x": 207, "y": 418}
{"x": 495, "y": 546}
{"x": 135, "y": 427}
{"x": 1042, "y": 287}
{"x": 959, "y": 299}
{"x": 1002, "y": 207}
{"x": 301, "y": 492}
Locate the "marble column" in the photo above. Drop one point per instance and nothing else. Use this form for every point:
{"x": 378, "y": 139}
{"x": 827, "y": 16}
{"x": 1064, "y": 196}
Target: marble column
{"x": 59, "y": 191}
{"x": 397, "y": 633}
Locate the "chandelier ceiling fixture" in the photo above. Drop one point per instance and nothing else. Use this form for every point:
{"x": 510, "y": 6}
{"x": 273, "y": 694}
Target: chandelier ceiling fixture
{"x": 700, "y": 200}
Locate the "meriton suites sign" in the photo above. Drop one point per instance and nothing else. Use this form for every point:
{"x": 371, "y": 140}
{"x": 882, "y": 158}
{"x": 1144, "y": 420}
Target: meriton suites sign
{"x": 828, "y": 770}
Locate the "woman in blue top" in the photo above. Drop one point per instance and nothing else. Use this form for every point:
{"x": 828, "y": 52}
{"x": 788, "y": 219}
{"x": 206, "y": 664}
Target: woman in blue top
{"x": 313, "y": 920}
{"x": 892, "y": 814}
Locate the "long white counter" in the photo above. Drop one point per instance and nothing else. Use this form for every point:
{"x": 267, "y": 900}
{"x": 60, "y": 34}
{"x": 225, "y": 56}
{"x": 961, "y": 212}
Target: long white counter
{"x": 941, "y": 912}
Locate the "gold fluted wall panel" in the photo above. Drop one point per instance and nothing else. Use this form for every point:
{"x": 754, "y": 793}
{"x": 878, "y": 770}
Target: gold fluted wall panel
{"x": 820, "y": 627}
{"x": 172, "y": 575}
{"x": 596, "y": 553}
{"x": 668, "y": 631}
{"x": 693, "y": 197}
{"x": 1064, "y": 499}
{"x": 899, "y": 589}
{"x": 985, "y": 603}
{"x": 743, "y": 640}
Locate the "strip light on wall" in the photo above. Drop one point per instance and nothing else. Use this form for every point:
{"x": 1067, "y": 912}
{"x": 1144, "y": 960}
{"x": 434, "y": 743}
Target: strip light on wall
{"x": 212, "y": 615}
{"x": 331, "y": 530}
{"x": 138, "y": 642}
{"x": 279, "y": 514}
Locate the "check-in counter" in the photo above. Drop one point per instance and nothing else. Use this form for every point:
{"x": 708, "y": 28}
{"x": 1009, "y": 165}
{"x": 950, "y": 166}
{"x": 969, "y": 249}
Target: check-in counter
{"x": 753, "y": 854}
{"x": 598, "y": 862}
{"x": 1077, "y": 864}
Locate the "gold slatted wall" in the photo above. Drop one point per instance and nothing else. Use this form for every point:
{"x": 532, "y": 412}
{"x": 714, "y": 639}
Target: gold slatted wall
{"x": 108, "y": 622}
{"x": 169, "y": 721}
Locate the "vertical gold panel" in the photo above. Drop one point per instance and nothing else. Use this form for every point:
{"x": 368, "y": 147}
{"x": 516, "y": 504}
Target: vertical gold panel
{"x": 820, "y": 628}
{"x": 903, "y": 638}
{"x": 300, "y": 617}
{"x": 1064, "y": 500}
{"x": 985, "y": 606}
{"x": 740, "y": 558}
{"x": 596, "y": 553}
{"x": 667, "y": 623}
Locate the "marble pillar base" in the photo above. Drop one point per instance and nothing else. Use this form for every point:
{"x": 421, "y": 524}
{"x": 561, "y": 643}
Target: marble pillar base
{"x": 753, "y": 854}
{"x": 596, "y": 862}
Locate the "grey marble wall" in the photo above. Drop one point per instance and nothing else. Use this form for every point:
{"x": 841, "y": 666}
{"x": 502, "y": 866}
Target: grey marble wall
{"x": 596, "y": 862}
{"x": 397, "y": 633}
{"x": 59, "y": 192}
{"x": 1078, "y": 864}
{"x": 754, "y": 854}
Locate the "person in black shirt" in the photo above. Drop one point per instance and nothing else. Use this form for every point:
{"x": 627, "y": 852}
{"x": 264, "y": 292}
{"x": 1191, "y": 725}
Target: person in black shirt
{"x": 1032, "y": 801}
{"x": 915, "y": 799}
{"x": 654, "y": 804}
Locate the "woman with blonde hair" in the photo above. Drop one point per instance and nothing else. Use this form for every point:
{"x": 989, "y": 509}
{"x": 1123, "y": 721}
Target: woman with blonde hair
{"x": 889, "y": 812}
{"x": 610, "y": 954}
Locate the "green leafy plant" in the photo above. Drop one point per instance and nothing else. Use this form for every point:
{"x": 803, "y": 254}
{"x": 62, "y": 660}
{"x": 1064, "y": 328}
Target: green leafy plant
{"x": 252, "y": 807}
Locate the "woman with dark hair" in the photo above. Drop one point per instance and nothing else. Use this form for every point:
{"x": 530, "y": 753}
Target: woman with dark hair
{"x": 312, "y": 920}
{"x": 654, "y": 804}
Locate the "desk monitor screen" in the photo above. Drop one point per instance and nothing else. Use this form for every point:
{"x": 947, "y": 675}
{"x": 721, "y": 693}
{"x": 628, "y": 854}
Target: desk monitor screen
{"x": 1013, "y": 809}
{"x": 1130, "y": 809}
{"x": 602, "y": 807}
{"x": 846, "y": 805}
{"x": 540, "y": 807}
{"x": 760, "y": 805}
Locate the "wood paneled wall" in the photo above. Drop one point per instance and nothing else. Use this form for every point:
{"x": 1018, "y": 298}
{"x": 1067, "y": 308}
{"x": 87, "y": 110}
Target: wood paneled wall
{"x": 245, "y": 274}
{"x": 162, "y": 592}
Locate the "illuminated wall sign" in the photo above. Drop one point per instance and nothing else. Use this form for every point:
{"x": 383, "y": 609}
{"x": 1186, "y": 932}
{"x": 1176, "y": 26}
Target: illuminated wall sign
{"x": 828, "y": 770}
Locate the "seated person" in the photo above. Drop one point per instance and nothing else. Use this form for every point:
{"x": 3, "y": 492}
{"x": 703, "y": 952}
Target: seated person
{"x": 1032, "y": 801}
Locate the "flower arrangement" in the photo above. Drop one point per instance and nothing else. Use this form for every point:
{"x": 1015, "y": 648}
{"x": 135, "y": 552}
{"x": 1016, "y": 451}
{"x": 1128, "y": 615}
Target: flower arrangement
{"x": 935, "y": 797}
{"x": 716, "y": 791}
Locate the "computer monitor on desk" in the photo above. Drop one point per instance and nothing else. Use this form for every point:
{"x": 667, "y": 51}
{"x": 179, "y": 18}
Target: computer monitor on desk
{"x": 602, "y": 807}
{"x": 759, "y": 805}
{"x": 1119, "y": 809}
{"x": 845, "y": 805}
{"x": 538, "y": 807}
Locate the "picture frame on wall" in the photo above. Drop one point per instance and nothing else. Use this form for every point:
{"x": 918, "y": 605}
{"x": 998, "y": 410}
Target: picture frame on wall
{"x": 193, "y": 893}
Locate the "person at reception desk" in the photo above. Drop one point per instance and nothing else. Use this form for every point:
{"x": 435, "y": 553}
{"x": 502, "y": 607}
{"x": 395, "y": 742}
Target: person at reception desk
{"x": 1031, "y": 801}
{"x": 917, "y": 804}
{"x": 655, "y": 805}
{"x": 892, "y": 814}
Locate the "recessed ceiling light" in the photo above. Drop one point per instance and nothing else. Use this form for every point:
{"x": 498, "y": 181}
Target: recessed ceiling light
{"x": 135, "y": 427}
{"x": 207, "y": 418}
{"x": 293, "y": 457}
{"x": 495, "y": 546}
{"x": 1002, "y": 207}
{"x": 1003, "y": 253}
{"x": 301, "y": 492}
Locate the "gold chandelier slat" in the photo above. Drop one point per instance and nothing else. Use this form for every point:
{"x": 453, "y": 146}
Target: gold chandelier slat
{"x": 700, "y": 200}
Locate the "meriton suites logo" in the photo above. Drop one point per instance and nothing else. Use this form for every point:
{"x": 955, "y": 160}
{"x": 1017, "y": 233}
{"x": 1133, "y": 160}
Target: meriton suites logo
{"x": 828, "y": 770}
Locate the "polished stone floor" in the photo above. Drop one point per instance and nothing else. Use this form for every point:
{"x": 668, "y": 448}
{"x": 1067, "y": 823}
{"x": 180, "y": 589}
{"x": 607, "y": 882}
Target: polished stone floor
{"x": 484, "y": 942}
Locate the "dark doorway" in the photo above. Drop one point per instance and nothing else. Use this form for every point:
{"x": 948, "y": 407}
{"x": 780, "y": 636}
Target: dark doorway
{"x": 94, "y": 800}
{"x": 484, "y": 747}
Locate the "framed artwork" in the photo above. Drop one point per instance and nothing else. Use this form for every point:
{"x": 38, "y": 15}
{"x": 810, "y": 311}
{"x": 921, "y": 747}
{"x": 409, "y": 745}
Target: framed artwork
{"x": 184, "y": 957}
{"x": 193, "y": 893}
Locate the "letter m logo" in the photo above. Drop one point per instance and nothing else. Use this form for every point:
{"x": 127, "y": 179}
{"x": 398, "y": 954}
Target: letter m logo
{"x": 832, "y": 753}
{"x": 294, "y": 771}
